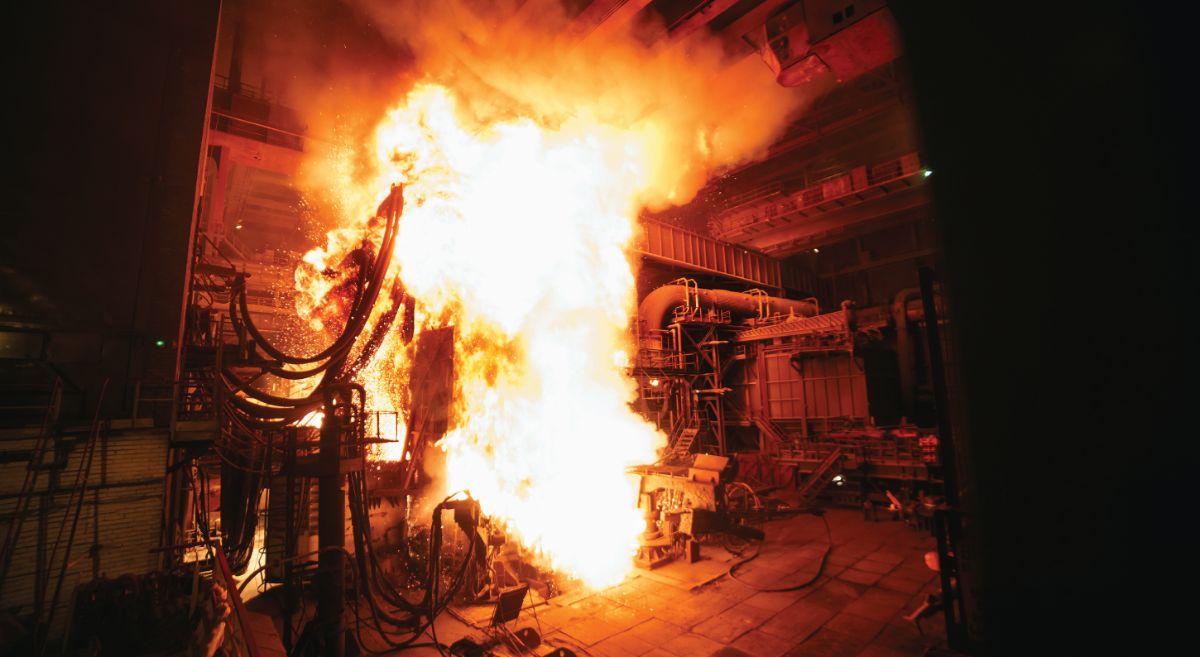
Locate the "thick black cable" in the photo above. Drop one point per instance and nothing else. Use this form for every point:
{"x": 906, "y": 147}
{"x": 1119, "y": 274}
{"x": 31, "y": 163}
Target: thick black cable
{"x": 360, "y": 527}
{"x": 249, "y": 430}
{"x": 297, "y": 409}
{"x": 732, "y": 572}
{"x": 260, "y": 411}
{"x": 430, "y": 601}
{"x": 367, "y": 555}
{"x": 378, "y": 333}
{"x": 384, "y": 584}
{"x": 293, "y": 375}
{"x": 361, "y": 309}
{"x": 235, "y": 384}
{"x": 433, "y": 606}
{"x": 368, "y": 584}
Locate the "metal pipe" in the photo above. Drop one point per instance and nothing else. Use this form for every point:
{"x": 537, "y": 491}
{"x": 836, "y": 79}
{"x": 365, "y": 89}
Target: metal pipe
{"x": 916, "y": 311}
{"x": 654, "y": 308}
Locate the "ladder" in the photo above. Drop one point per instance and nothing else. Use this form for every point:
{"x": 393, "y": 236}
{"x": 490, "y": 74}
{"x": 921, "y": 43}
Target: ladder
{"x": 683, "y": 444}
{"x": 820, "y": 477}
{"x": 25, "y": 496}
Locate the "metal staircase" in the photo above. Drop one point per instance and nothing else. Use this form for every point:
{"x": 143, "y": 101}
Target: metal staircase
{"x": 820, "y": 477}
{"x": 772, "y": 438}
{"x": 682, "y": 445}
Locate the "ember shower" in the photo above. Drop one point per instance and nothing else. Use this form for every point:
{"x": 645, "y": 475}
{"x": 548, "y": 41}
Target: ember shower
{"x": 521, "y": 199}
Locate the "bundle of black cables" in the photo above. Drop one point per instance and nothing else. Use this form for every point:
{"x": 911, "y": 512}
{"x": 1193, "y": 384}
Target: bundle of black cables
{"x": 419, "y": 617}
{"x": 249, "y": 415}
{"x": 255, "y": 409}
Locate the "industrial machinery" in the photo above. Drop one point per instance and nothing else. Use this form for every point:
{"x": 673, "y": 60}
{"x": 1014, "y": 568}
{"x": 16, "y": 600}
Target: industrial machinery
{"x": 299, "y": 431}
{"x": 794, "y": 395}
{"x": 299, "y": 428}
{"x": 754, "y": 391}
{"x": 684, "y": 503}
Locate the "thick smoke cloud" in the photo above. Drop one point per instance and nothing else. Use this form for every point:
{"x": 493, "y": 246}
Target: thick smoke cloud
{"x": 341, "y": 66}
{"x": 701, "y": 112}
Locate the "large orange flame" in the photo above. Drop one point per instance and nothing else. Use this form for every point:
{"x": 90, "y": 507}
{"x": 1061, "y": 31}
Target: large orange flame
{"x": 525, "y": 166}
{"x": 518, "y": 234}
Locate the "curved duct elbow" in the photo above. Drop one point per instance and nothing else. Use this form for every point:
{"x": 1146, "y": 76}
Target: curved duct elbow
{"x": 908, "y": 305}
{"x": 654, "y": 309}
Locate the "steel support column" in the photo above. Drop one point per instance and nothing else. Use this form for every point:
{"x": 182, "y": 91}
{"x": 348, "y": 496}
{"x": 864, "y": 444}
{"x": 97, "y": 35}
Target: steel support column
{"x": 947, "y": 521}
{"x": 331, "y": 530}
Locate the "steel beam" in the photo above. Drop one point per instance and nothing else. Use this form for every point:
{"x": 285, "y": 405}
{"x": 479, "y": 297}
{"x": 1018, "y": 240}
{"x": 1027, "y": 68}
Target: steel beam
{"x": 331, "y": 530}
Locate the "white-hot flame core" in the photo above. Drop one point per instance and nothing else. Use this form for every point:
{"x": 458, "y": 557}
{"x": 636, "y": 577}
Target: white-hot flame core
{"x": 519, "y": 236}
{"x": 521, "y": 187}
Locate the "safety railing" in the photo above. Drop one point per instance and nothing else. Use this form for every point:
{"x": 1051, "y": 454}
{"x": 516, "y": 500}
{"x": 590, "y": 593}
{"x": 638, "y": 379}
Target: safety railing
{"x": 665, "y": 361}
{"x": 739, "y": 220}
{"x": 700, "y": 253}
{"x": 886, "y": 450}
{"x": 384, "y": 425}
{"x": 700, "y": 316}
{"x": 243, "y": 88}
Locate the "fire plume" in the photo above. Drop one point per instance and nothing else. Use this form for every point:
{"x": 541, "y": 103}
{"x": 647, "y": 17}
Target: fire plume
{"x": 518, "y": 235}
{"x": 525, "y": 161}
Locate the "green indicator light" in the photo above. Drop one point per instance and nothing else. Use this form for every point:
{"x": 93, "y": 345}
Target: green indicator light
{"x": 160, "y": 343}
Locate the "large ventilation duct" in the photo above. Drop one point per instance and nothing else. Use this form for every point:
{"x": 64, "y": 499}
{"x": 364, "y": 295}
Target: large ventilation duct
{"x": 655, "y": 307}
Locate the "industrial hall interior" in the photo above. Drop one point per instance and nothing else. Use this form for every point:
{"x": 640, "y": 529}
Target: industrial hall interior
{"x": 591, "y": 328}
